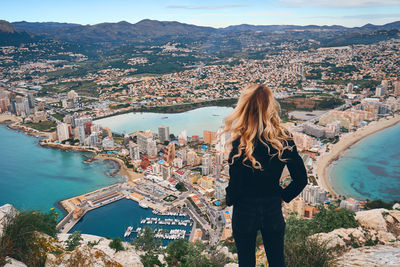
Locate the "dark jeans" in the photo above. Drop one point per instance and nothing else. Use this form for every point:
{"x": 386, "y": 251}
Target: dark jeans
{"x": 251, "y": 215}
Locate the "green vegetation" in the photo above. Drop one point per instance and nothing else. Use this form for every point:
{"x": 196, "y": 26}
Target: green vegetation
{"x": 58, "y": 116}
{"x": 146, "y": 241}
{"x": 329, "y": 103}
{"x": 21, "y": 241}
{"x": 73, "y": 240}
{"x": 181, "y": 187}
{"x": 44, "y": 126}
{"x": 116, "y": 244}
{"x": 376, "y": 204}
{"x": 184, "y": 253}
{"x": 118, "y": 106}
{"x": 150, "y": 260}
{"x": 303, "y": 250}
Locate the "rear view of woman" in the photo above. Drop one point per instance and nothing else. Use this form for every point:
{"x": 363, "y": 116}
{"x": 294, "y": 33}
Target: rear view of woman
{"x": 260, "y": 149}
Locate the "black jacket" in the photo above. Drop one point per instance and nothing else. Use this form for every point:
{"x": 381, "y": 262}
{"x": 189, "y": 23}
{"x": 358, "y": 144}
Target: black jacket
{"x": 246, "y": 182}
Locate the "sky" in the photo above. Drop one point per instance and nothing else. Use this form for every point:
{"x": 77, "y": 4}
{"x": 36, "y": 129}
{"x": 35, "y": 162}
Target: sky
{"x": 216, "y": 13}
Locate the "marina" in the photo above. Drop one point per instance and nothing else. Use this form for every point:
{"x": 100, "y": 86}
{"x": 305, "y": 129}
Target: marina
{"x": 101, "y": 221}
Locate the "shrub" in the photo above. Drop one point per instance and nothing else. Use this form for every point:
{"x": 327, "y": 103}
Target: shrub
{"x": 116, "y": 244}
{"x": 73, "y": 240}
{"x": 150, "y": 260}
{"x": 19, "y": 240}
{"x": 329, "y": 219}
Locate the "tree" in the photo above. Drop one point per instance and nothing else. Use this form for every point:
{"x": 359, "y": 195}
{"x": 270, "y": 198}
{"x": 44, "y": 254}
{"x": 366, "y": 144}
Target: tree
{"x": 116, "y": 244}
{"x": 176, "y": 250}
{"x": 186, "y": 254}
{"x": 146, "y": 240}
{"x": 73, "y": 240}
{"x": 150, "y": 260}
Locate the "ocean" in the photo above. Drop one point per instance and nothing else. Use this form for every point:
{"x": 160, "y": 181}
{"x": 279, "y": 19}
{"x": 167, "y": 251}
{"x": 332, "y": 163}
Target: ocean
{"x": 370, "y": 169}
{"x": 36, "y": 178}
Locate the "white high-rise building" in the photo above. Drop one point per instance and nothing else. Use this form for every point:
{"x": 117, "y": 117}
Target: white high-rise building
{"x": 134, "y": 151}
{"x": 163, "y": 133}
{"x": 220, "y": 185}
{"x": 93, "y": 139}
{"x": 380, "y": 91}
{"x": 397, "y": 88}
{"x": 350, "y": 88}
{"x": 146, "y": 144}
{"x": 81, "y": 133}
{"x": 62, "y": 132}
{"x": 313, "y": 194}
{"x": 206, "y": 164}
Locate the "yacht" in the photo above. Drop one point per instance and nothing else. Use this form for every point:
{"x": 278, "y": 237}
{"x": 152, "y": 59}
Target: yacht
{"x": 128, "y": 231}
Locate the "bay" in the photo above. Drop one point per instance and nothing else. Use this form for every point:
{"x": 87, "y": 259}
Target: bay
{"x": 370, "y": 169}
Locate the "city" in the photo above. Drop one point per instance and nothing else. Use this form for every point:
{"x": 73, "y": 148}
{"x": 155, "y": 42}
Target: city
{"x": 330, "y": 98}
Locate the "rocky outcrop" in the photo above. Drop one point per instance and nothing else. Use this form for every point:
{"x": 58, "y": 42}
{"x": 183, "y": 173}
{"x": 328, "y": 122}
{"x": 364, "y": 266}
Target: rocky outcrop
{"x": 14, "y": 263}
{"x": 6, "y": 211}
{"x": 95, "y": 251}
{"x": 378, "y": 226}
{"x": 81, "y": 256}
{"x": 380, "y": 255}
{"x": 372, "y": 219}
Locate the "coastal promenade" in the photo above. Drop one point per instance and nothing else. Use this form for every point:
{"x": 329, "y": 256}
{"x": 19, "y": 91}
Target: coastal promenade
{"x": 347, "y": 140}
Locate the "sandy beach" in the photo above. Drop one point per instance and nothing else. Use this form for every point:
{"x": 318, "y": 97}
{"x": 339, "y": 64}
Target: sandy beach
{"x": 346, "y": 140}
{"x": 130, "y": 174}
{"x": 4, "y": 118}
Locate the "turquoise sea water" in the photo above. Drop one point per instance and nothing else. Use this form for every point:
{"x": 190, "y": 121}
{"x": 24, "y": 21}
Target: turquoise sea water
{"x": 193, "y": 121}
{"x": 370, "y": 169}
{"x": 35, "y": 177}
{"x": 113, "y": 219}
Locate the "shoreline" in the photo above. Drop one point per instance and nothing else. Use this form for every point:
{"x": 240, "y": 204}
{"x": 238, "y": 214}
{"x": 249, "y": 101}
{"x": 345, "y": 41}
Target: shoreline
{"x": 345, "y": 142}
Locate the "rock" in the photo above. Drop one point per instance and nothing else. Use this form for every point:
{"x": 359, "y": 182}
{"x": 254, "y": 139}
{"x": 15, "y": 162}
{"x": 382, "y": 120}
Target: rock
{"x": 14, "y": 263}
{"x": 385, "y": 237}
{"x": 372, "y": 219}
{"x": 395, "y": 214}
{"x": 396, "y": 206}
{"x": 380, "y": 255}
{"x": 231, "y": 265}
{"x": 331, "y": 238}
{"x": 128, "y": 258}
{"x": 225, "y": 251}
{"x": 389, "y": 219}
{"x": 81, "y": 256}
{"x": 5, "y": 211}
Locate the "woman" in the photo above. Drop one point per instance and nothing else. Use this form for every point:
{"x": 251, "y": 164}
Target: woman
{"x": 261, "y": 148}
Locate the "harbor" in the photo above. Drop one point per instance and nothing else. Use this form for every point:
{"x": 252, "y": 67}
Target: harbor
{"x": 167, "y": 223}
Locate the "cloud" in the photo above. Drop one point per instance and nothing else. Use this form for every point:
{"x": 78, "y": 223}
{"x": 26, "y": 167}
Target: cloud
{"x": 359, "y": 16}
{"x": 248, "y": 14}
{"x": 206, "y": 7}
{"x": 339, "y": 3}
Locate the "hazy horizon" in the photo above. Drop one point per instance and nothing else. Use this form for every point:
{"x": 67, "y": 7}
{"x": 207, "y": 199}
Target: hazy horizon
{"x": 219, "y": 14}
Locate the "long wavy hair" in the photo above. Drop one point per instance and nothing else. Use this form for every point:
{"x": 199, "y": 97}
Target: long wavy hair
{"x": 256, "y": 116}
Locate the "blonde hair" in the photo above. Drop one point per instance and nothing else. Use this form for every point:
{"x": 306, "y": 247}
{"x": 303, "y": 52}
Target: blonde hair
{"x": 256, "y": 116}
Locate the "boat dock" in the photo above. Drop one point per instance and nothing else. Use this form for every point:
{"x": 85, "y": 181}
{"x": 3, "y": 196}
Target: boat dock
{"x": 78, "y": 206}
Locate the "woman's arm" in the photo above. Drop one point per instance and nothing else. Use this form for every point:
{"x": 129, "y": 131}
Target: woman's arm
{"x": 236, "y": 172}
{"x": 297, "y": 172}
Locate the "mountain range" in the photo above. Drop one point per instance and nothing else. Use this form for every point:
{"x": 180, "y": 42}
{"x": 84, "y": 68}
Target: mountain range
{"x": 146, "y": 30}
